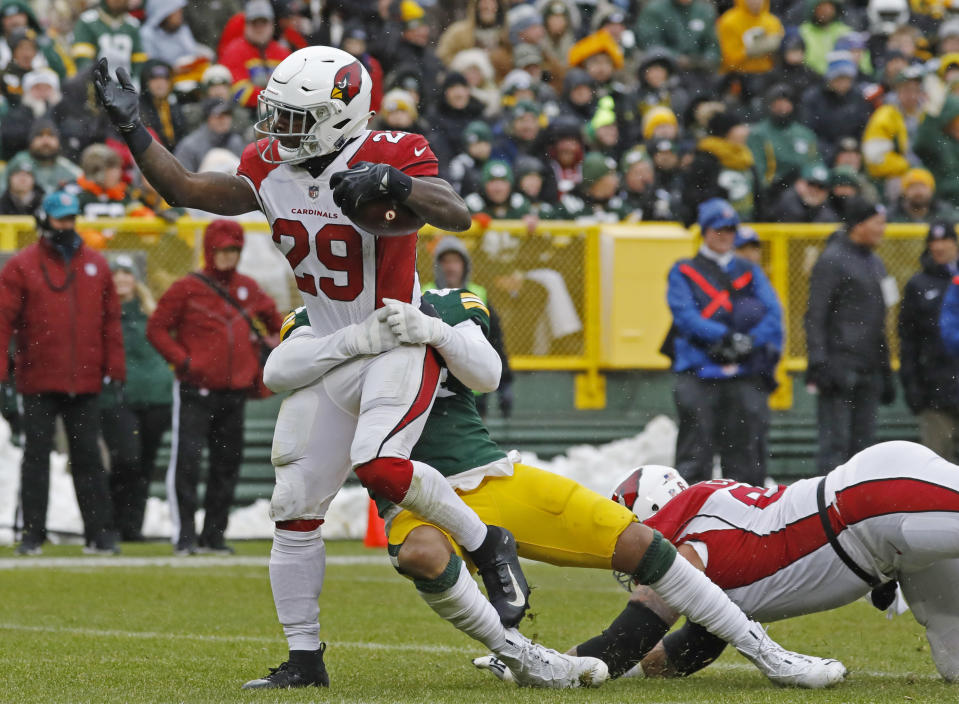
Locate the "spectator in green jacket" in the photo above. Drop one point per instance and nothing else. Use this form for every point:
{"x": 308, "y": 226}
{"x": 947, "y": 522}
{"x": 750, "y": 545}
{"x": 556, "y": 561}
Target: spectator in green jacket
{"x": 496, "y": 197}
{"x": 134, "y": 416}
{"x": 687, "y": 28}
{"x": 937, "y": 144}
{"x": 781, "y": 145}
{"x": 821, "y": 30}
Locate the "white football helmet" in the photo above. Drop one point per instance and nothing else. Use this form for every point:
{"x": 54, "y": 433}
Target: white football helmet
{"x": 886, "y": 16}
{"x": 315, "y": 101}
{"x": 645, "y": 491}
{"x": 648, "y": 488}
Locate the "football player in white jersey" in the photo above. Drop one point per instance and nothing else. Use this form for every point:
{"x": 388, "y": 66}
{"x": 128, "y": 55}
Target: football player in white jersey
{"x": 890, "y": 514}
{"x": 313, "y": 168}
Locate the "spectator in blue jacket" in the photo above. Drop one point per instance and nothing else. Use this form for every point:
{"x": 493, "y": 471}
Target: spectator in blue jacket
{"x": 726, "y": 339}
{"x": 949, "y": 318}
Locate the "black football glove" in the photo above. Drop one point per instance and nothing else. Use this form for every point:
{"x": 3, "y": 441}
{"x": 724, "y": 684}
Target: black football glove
{"x": 119, "y": 98}
{"x": 366, "y": 182}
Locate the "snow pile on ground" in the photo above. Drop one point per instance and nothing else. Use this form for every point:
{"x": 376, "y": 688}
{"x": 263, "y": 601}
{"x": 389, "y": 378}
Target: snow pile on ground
{"x": 600, "y": 468}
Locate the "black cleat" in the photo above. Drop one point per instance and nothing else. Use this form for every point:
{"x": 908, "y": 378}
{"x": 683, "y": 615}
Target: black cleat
{"x": 30, "y": 547}
{"x": 498, "y": 565}
{"x": 305, "y": 668}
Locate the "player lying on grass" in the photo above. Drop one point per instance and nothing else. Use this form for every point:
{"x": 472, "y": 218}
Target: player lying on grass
{"x": 891, "y": 513}
{"x": 311, "y": 173}
{"x": 554, "y": 519}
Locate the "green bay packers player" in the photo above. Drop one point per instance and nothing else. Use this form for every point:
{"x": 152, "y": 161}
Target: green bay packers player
{"x": 553, "y": 519}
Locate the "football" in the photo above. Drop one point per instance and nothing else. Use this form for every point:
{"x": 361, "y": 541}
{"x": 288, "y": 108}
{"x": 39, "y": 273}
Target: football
{"x": 386, "y": 218}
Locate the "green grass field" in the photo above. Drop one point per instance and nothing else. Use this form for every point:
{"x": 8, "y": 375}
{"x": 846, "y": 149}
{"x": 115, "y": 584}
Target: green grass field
{"x": 81, "y": 630}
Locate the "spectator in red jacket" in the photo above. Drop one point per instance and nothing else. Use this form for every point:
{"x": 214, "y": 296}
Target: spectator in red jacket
{"x": 200, "y": 330}
{"x": 252, "y": 57}
{"x": 57, "y": 298}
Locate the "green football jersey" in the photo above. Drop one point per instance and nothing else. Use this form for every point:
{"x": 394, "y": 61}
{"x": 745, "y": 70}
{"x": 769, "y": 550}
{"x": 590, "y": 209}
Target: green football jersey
{"x": 455, "y": 439}
{"x": 97, "y": 35}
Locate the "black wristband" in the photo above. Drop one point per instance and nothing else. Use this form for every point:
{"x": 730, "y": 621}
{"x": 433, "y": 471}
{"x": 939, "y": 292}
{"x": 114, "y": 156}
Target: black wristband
{"x": 138, "y": 139}
{"x": 400, "y": 185}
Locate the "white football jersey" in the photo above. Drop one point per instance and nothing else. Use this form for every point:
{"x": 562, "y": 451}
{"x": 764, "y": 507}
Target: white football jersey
{"x": 765, "y": 548}
{"x": 342, "y": 272}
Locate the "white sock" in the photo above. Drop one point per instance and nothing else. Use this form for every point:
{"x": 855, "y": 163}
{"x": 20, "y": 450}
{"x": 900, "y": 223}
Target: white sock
{"x": 465, "y": 607}
{"x": 690, "y": 592}
{"x": 432, "y": 499}
{"x": 297, "y": 565}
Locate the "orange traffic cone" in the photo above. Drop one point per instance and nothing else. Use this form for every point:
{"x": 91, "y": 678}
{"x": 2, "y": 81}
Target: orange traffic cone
{"x": 375, "y": 528}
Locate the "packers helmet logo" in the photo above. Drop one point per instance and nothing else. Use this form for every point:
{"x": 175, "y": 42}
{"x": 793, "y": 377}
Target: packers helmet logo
{"x": 346, "y": 82}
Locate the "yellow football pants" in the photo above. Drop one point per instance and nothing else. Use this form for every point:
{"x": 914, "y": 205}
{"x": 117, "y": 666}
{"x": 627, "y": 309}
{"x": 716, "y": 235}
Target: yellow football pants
{"x": 553, "y": 519}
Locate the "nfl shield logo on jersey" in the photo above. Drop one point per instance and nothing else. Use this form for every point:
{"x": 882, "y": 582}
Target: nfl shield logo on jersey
{"x": 314, "y": 191}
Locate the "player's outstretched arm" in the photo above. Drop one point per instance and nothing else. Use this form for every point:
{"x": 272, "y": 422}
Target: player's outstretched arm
{"x": 430, "y": 197}
{"x": 223, "y": 194}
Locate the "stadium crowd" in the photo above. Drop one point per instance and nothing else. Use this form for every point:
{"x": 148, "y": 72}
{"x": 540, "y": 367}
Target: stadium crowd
{"x": 599, "y": 110}
{"x": 719, "y": 113}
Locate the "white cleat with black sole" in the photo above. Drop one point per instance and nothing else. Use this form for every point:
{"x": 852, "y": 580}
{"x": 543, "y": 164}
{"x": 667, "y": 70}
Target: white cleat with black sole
{"x": 785, "y": 668}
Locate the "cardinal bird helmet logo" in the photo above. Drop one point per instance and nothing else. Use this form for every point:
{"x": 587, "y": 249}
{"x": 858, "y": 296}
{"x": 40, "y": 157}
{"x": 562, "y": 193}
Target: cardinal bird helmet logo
{"x": 346, "y": 82}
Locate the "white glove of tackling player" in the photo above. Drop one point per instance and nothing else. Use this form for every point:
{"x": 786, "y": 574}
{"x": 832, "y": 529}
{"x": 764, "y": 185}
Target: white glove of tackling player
{"x": 372, "y": 336}
{"x": 414, "y": 327}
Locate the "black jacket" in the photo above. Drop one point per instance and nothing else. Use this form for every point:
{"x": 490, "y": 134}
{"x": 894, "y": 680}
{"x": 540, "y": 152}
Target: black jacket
{"x": 151, "y": 118}
{"x": 930, "y": 376}
{"x": 790, "y": 208}
{"x": 9, "y": 206}
{"x": 832, "y": 116}
{"x": 448, "y": 125}
{"x": 846, "y": 316}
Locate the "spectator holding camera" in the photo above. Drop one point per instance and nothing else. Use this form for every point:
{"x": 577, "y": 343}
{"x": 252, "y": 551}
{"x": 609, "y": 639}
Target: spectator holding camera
{"x": 726, "y": 338}
{"x": 58, "y": 299}
{"x": 845, "y": 323}
{"x": 929, "y": 375}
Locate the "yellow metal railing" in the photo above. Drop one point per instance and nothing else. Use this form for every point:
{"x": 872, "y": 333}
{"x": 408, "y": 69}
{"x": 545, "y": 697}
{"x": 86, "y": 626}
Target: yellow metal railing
{"x": 572, "y": 297}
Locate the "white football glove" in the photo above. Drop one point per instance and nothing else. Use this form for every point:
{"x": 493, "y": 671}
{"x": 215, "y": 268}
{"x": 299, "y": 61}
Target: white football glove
{"x": 372, "y": 336}
{"x": 495, "y": 666}
{"x": 414, "y": 327}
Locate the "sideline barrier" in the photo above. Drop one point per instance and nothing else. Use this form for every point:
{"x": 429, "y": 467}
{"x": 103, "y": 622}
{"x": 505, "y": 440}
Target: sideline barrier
{"x": 570, "y": 297}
